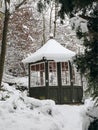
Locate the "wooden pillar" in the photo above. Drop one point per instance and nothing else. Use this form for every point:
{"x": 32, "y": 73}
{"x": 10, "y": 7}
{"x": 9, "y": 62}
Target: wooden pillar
{"x": 59, "y": 83}
{"x": 47, "y": 79}
{"x": 29, "y": 72}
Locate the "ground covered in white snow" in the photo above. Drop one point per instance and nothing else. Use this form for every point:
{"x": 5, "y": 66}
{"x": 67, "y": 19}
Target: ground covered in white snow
{"x": 19, "y": 112}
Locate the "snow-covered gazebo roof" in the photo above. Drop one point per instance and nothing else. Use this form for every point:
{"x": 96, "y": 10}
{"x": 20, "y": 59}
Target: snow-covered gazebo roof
{"x": 52, "y": 50}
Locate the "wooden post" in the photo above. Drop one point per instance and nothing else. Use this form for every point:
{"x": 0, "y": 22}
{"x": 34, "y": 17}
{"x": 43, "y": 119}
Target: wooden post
{"x": 59, "y": 82}
{"x": 29, "y": 72}
{"x": 47, "y": 79}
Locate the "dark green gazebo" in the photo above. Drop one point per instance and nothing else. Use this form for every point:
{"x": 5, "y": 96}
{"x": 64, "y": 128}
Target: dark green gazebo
{"x": 52, "y": 75}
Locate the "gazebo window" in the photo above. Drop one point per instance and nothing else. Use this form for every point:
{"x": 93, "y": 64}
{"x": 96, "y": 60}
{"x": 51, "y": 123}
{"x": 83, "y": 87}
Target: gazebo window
{"x": 65, "y": 74}
{"x": 37, "y": 75}
{"x": 53, "y": 74}
{"x": 76, "y": 76}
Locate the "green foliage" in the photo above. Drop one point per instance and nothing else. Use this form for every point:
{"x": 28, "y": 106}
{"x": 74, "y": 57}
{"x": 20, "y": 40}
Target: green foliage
{"x": 41, "y": 5}
{"x": 87, "y": 63}
{"x": 67, "y": 7}
{"x": 71, "y": 7}
{"x": 79, "y": 33}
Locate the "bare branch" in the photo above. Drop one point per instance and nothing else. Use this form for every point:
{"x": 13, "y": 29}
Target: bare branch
{"x": 87, "y": 17}
{"x": 24, "y": 1}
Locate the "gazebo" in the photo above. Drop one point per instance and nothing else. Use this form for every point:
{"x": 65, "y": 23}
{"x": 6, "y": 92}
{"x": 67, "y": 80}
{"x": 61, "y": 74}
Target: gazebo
{"x": 52, "y": 74}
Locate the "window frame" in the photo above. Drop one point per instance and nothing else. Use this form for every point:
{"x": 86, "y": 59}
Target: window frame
{"x": 56, "y": 71}
{"x": 62, "y": 83}
{"x": 77, "y": 81}
{"x": 37, "y": 77}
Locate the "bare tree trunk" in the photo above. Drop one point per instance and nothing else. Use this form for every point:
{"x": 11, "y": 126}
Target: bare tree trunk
{"x": 50, "y": 21}
{"x": 44, "y": 27}
{"x": 55, "y": 21}
{"x": 56, "y": 11}
{"x": 4, "y": 36}
{"x": 4, "y": 42}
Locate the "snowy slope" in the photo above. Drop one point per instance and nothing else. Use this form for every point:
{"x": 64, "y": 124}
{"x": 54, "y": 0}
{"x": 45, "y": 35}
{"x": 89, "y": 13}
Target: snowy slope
{"x": 19, "y": 112}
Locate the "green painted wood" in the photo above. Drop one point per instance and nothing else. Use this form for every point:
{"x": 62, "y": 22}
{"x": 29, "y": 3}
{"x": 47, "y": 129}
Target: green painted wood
{"x": 60, "y": 94}
{"x": 47, "y": 79}
{"x": 59, "y": 81}
{"x": 29, "y": 78}
{"x": 38, "y": 92}
{"x": 54, "y": 94}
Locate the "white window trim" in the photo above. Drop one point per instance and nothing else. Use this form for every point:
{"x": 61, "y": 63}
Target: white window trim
{"x": 44, "y": 77}
{"x": 56, "y": 73}
{"x": 77, "y": 83}
{"x": 61, "y": 74}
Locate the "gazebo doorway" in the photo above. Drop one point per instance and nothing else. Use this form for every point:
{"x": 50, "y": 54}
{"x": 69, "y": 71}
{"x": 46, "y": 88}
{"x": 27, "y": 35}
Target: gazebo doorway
{"x": 52, "y": 74}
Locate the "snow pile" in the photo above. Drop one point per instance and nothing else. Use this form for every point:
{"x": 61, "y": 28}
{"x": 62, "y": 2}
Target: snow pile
{"x": 19, "y": 112}
{"x": 18, "y": 81}
{"x": 19, "y": 100}
{"x": 92, "y": 108}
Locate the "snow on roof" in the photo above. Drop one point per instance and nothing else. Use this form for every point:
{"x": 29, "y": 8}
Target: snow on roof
{"x": 52, "y": 50}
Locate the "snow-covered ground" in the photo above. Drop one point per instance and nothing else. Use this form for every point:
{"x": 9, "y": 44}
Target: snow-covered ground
{"x": 19, "y": 112}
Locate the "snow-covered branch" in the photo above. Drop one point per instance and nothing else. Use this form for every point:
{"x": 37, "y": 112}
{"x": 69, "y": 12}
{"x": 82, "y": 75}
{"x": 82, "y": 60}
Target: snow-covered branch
{"x": 12, "y": 5}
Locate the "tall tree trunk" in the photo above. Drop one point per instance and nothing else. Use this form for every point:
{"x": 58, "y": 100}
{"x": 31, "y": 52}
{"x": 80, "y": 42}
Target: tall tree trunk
{"x": 4, "y": 36}
{"x": 55, "y": 20}
{"x": 44, "y": 27}
{"x": 4, "y": 42}
{"x": 50, "y": 20}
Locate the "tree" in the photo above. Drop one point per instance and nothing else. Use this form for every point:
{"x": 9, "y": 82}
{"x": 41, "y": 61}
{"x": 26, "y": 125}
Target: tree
{"x": 7, "y": 12}
{"x": 50, "y": 8}
{"x": 87, "y": 62}
{"x": 42, "y": 7}
{"x": 24, "y": 32}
